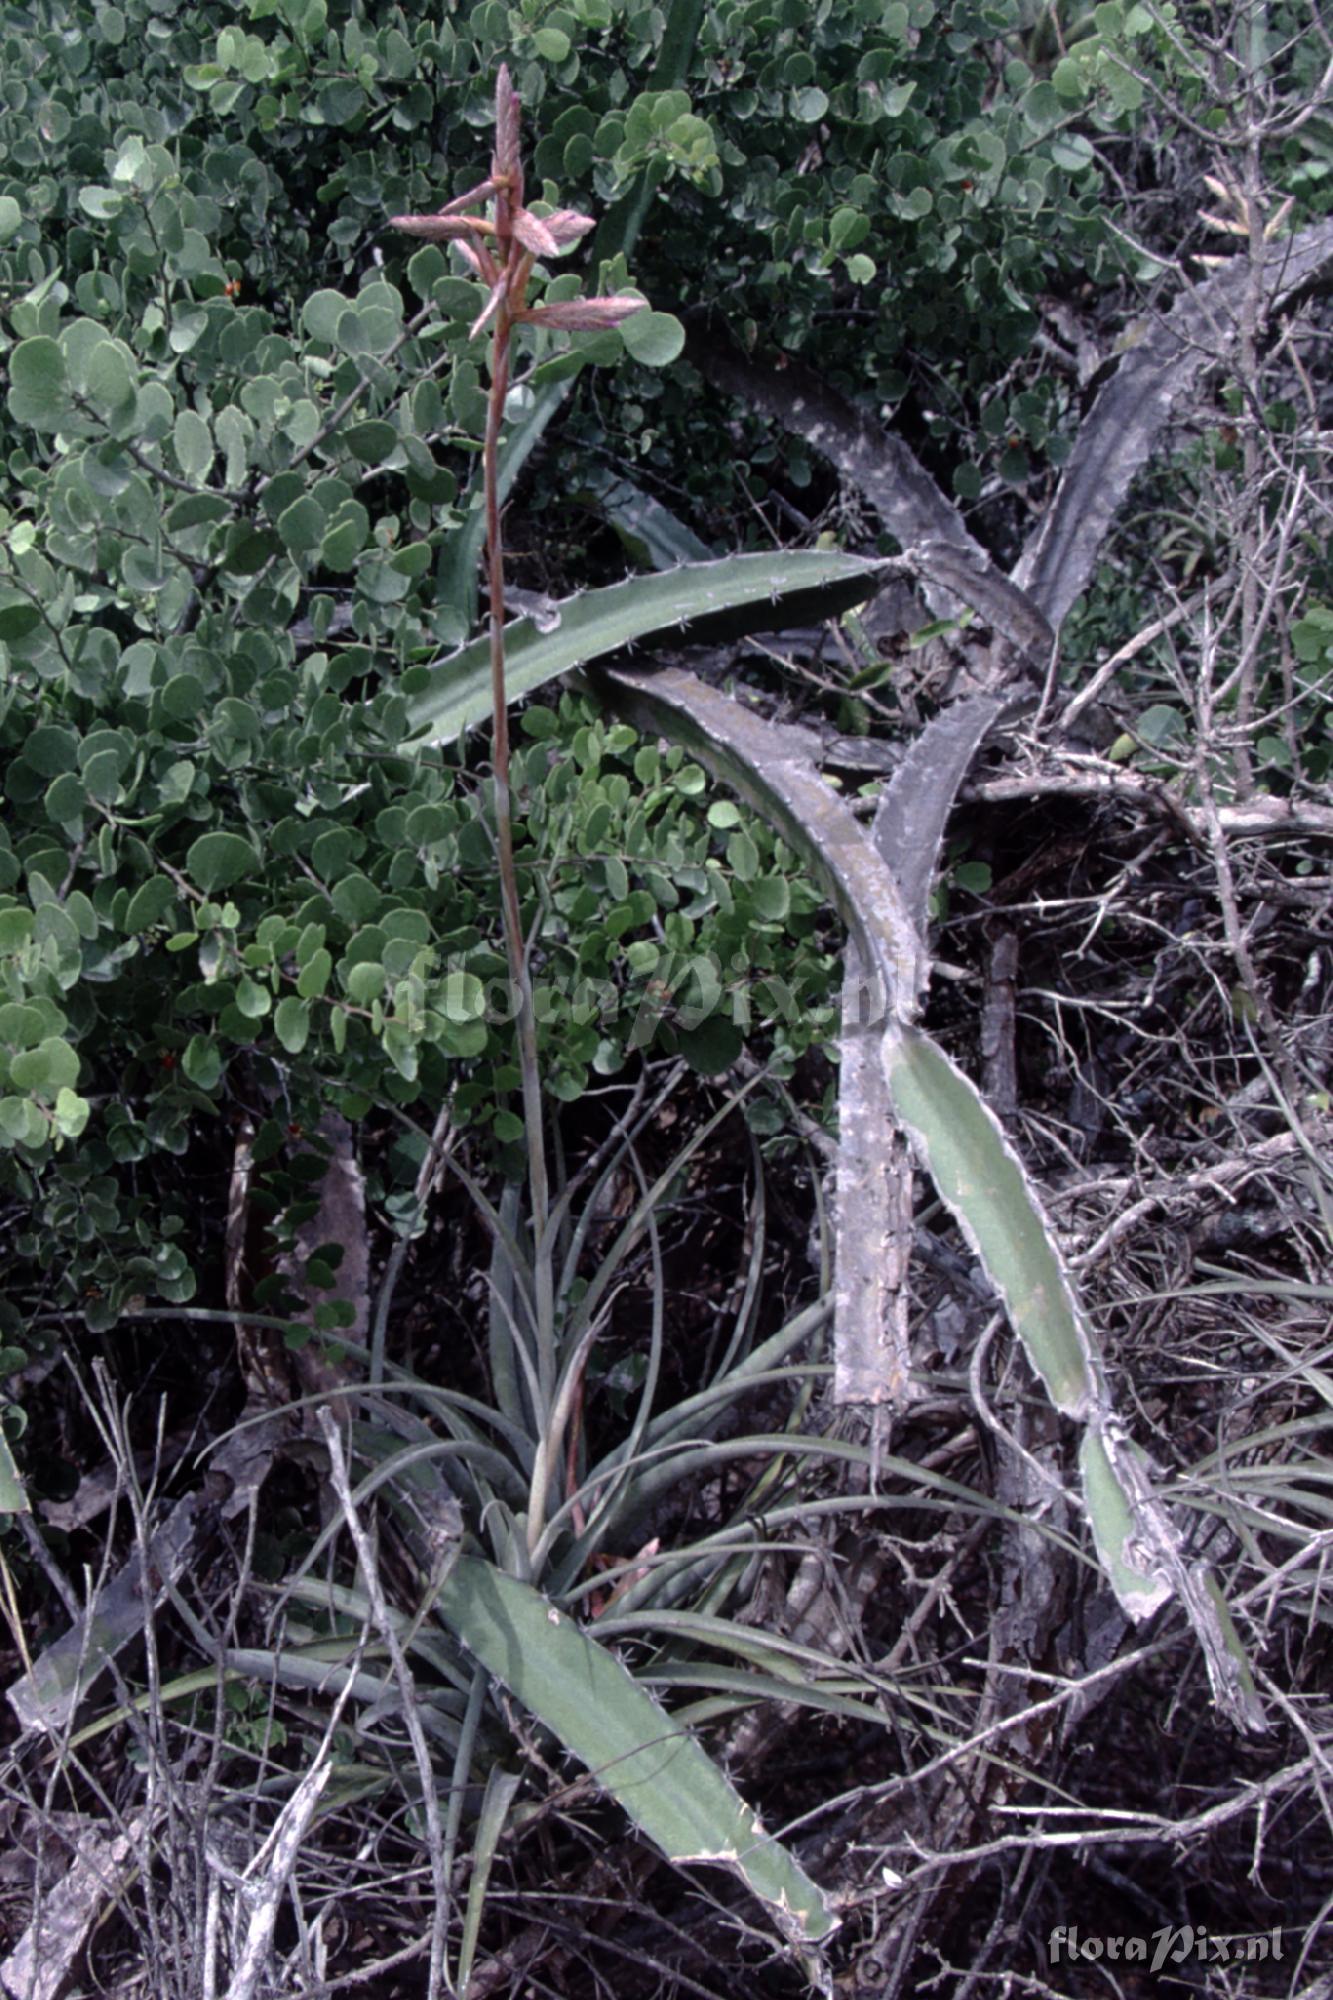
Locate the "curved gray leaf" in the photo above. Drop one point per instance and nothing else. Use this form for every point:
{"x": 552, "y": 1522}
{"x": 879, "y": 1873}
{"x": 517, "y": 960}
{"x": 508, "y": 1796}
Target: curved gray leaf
{"x": 950, "y": 563}
{"x": 1131, "y": 411}
{"x": 876, "y": 462}
{"x": 771, "y": 770}
{"x": 914, "y": 809}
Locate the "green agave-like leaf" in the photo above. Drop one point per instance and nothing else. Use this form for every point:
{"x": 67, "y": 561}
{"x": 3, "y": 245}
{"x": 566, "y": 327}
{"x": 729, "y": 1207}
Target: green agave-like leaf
{"x": 759, "y": 591}
{"x": 1141, "y": 1546}
{"x": 653, "y": 535}
{"x": 1114, "y": 1530}
{"x": 501, "y": 1788}
{"x": 666, "y": 1783}
{"x": 956, "y": 1135}
{"x": 13, "y": 1498}
{"x": 983, "y": 1182}
{"x": 986, "y": 1188}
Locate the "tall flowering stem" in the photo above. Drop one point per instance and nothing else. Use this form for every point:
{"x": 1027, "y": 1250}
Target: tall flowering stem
{"x": 502, "y": 248}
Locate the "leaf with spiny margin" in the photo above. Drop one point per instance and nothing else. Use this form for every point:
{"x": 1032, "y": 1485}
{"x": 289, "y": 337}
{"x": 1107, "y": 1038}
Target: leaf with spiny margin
{"x": 985, "y": 1186}
{"x": 760, "y": 592}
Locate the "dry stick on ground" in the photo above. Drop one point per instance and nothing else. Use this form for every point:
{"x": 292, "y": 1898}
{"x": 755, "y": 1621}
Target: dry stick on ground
{"x": 43, "y": 1959}
{"x": 1077, "y": 775}
{"x": 1217, "y": 1180}
{"x": 283, "y": 1847}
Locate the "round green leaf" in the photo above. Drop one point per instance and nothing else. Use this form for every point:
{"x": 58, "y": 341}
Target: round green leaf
{"x": 1072, "y": 152}
{"x": 1043, "y": 106}
{"x": 253, "y": 1001}
{"x": 53, "y": 1065}
{"x": 149, "y": 904}
{"x": 371, "y": 442}
{"x": 183, "y": 697}
{"x": 71, "y": 1113}
{"x": 18, "y": 621}
{"x": 15, "y": 930}
{"x": 217, "y": 860}
{"x": 1160, "y": 723}
{"x": 974, "y": 876}
{"x": 347, "y": 536}
{"x": 107, "y": 379}
{"x": 11, "y": 215}
{"x": 847, "y": 228}
{"x": 461, "y": 997}
{"x": 313, "y": 977}
{"x": 38, "y": 389}
{"x": 194, "y": 446}
{"x": 103, "y": 204}
{"x": 65, "y": 799}
{"x": 382, "y": 583}
{"x": 22, "y": 1027}
{"x": 653, "y": 338}
{"x": 321, "y": 313}
{"x": 202, "y": 1063}
{"x": 743, "y": 856}
{"x": 356, "y": 899}
{"x": 21, "y": 1123}
{"x": 771, "y": 897}
{"x": 101, "y": 777}
{"x": 302, "y": 525}
{"x": 292, "y": 1023}
{"x": 365, "y": 983}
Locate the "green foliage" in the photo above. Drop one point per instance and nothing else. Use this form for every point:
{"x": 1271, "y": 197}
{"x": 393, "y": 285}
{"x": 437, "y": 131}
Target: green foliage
{"x": 352, "y": 927}
{"x": 155, "y": 159}
{"x": 223, "y": 534}
{"x": 241, "y": 427}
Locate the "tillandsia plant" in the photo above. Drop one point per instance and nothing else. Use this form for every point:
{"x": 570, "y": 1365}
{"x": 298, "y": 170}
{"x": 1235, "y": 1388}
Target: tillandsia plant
{"x": 503, "y": 248}
{"x": 570, "y": 1682}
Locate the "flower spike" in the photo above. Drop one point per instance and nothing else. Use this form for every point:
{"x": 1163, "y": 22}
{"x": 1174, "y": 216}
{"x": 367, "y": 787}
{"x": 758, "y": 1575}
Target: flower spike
{"x": 501, "y": 248}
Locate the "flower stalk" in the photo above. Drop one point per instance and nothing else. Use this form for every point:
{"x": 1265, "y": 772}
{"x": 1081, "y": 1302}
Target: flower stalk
{"x": 502, "y": 249}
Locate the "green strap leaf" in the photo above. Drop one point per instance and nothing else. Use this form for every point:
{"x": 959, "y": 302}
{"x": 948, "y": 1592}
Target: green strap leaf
{"x": 13, "y": 1498}
{"x": 758, "y": 591}
{"x": 666, "y": 1783}
{"x": 984, "y": 1184}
